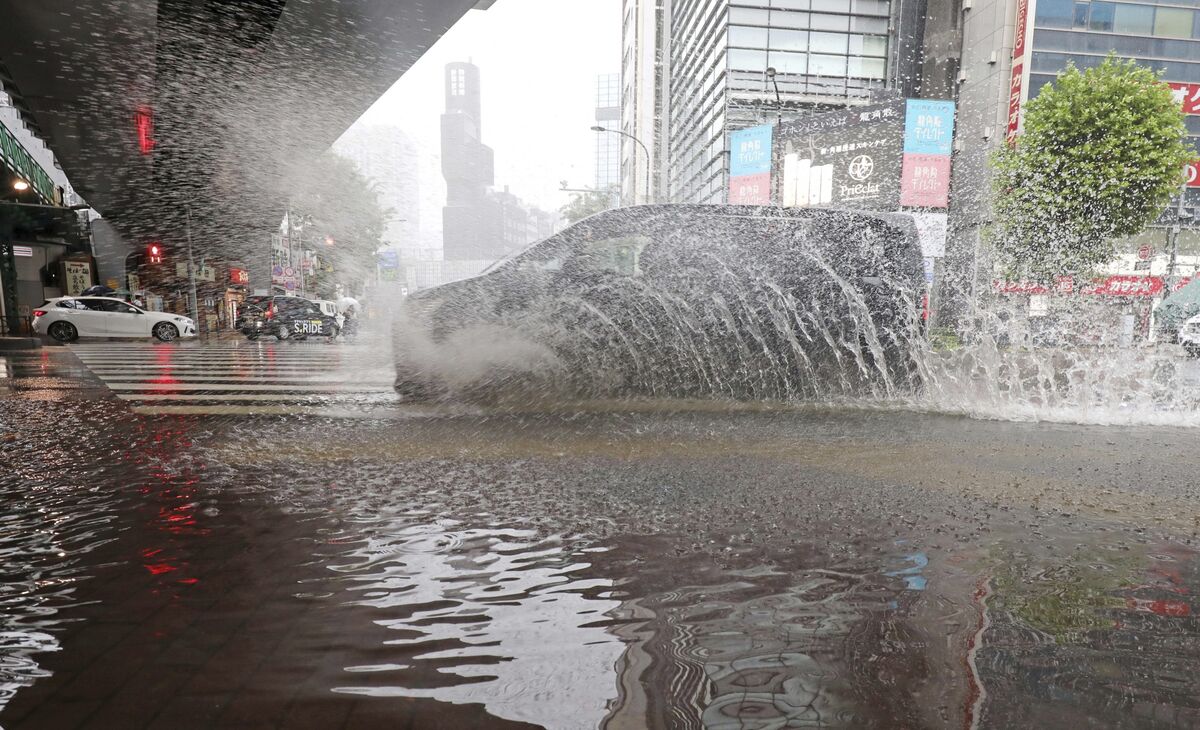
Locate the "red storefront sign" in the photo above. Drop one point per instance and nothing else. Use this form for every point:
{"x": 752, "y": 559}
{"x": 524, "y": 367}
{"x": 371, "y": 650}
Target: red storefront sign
{"x": 1188, "y": 96}
{"x": 1125, "y": 285}
{"x": 239, "y": 276}
{"x": 1062, "y": 285}
{"x": 1017, "y": 80}
{"x": 1120, "y": 285}
{"x": 1019, "y": 287}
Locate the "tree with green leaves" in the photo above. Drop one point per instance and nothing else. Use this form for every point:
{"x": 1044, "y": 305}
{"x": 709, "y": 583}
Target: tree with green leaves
{"x": 584, "y": 204}
{"x": 343, "y": 219}
{"x": 1101, "y": 153}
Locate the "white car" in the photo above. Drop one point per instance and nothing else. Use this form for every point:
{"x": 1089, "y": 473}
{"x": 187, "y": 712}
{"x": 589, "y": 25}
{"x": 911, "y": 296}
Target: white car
{"x": 69, "y": 318}
{"x": 1189, "y": 336}
{"x": 331, "y": 309}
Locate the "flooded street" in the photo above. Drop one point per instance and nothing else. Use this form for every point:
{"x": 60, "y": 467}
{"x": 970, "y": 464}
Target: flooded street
{"x": 662, "y": 564}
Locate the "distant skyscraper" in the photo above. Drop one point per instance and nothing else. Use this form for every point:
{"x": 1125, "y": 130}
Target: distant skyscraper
{"x": 467, "y": 165}
{"x": 608, "y": 144}
{"x": 388, "y": 157}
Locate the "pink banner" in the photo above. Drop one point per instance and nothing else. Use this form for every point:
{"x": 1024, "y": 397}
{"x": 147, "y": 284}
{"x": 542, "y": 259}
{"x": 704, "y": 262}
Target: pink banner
{"x": 750, "y": 189}
{"x": 925, "y": 181}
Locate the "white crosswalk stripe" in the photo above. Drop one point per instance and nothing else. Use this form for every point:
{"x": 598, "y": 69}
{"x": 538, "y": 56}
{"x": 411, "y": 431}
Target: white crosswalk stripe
{"x": 238, "y": 377}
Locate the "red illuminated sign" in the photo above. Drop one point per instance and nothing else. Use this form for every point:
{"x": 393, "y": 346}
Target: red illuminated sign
{"x": 154, "y": 253}
{"x": 239, "y": 276}
{"x": 144, "y": 121}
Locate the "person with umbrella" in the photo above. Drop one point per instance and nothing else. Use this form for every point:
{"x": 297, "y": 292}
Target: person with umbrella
{"x": 349, "y": 307}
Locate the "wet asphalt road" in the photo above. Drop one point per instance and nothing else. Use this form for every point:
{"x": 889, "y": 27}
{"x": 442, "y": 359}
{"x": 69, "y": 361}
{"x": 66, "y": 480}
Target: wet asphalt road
{"x": 620, "y": 566}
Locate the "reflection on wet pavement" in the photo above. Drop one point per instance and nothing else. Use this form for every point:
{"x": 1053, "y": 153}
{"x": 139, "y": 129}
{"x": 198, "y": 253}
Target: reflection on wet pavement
{"x": 616, "y": 570}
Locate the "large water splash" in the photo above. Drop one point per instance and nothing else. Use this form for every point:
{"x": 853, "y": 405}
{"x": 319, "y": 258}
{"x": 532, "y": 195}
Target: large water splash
{"x": 746, "y": 304}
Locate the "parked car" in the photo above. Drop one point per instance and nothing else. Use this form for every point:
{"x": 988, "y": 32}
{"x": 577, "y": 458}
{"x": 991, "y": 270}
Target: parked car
{"x": 285, "y": 317}
{"x": 1189, "y": 336}
{"x": 68, "y": 318}
{"x": 331, "y": 309}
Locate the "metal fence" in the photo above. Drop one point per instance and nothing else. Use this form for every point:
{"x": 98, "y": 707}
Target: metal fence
{"x": 24, "y": 327}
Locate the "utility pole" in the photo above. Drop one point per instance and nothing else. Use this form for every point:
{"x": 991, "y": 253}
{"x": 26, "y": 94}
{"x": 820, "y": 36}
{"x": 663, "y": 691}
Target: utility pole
{"x": 192, "y": 303}
{"x": 1173, "y": 237}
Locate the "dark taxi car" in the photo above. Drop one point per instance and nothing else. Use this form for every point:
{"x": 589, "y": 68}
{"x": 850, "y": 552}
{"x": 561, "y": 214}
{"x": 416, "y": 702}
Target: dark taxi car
{"x": 285, "y": 317}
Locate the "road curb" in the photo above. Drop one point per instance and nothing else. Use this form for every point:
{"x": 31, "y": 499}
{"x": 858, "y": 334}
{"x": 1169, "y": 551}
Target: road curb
{"x": 19, "y": 343}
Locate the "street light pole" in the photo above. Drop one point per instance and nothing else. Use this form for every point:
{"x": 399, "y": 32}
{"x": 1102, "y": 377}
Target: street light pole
{"x": 598, "y": 128}
{"x": 778, "y": 99}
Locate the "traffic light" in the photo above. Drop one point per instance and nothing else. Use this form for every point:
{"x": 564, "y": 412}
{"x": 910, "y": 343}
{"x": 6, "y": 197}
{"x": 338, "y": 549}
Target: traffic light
{"x": 154, "y": 253}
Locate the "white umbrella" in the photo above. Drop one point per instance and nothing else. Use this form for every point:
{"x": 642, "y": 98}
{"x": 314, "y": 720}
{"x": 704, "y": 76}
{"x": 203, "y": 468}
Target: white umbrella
{"x": 346, "y": 302}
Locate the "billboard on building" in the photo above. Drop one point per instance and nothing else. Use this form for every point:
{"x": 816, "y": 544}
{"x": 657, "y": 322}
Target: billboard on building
{"x": 750, "y": 165}
{"x": 928, "y": 142}
{"x": 849, "y": 158}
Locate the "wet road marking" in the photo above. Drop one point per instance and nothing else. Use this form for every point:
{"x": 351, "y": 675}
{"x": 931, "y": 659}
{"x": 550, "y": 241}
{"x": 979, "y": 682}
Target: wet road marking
{"x": 322, "y": 388}
{"x": 244, "y": 378}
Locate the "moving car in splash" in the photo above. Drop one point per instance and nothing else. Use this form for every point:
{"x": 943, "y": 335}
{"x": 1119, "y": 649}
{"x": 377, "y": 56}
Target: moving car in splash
{"x": 681, "y": 301}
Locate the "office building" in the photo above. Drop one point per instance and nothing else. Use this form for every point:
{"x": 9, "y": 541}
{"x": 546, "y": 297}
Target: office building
{"x": 608, "y": 144}
{"x": 721, "y": 65}
{"x": 994, "y": 88}
{"x": 645, "y": 42}
{"x": 387, "y": 157}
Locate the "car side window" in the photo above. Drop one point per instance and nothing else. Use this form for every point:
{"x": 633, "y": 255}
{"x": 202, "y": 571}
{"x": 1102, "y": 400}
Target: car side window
{"x": 94, "y": 305}
{"x": 108, "y": 305}
{"x": 70, "y": 304}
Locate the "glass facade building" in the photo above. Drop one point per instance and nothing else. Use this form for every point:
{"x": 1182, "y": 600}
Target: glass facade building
{"x": 607, "y": 158}
{"x": 1163, "y": 36}
{"x": 825, "y": 54}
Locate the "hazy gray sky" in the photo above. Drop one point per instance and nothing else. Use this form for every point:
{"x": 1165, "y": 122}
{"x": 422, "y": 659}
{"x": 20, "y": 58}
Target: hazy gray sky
{"x": 538, "y": 60}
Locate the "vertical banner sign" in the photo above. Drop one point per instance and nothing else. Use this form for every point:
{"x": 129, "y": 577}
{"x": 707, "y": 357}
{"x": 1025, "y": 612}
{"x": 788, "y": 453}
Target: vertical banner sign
{"x": 1016, "y": 84}
{"x": 750, "y": 166}
{"x": 928, "y": 141}
{"x": 78, "y": 276}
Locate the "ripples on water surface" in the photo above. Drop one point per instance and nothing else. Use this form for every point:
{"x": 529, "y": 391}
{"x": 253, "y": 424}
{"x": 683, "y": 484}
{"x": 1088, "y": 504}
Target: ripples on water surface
{"x": 691, "y": 570}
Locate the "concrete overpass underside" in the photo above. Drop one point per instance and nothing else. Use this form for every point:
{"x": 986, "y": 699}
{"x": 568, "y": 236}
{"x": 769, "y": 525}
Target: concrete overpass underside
{"x": 156, "y": 106}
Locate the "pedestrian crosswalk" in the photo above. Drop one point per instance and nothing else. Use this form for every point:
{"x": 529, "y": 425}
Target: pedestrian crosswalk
{"x": 239, "y": 377}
